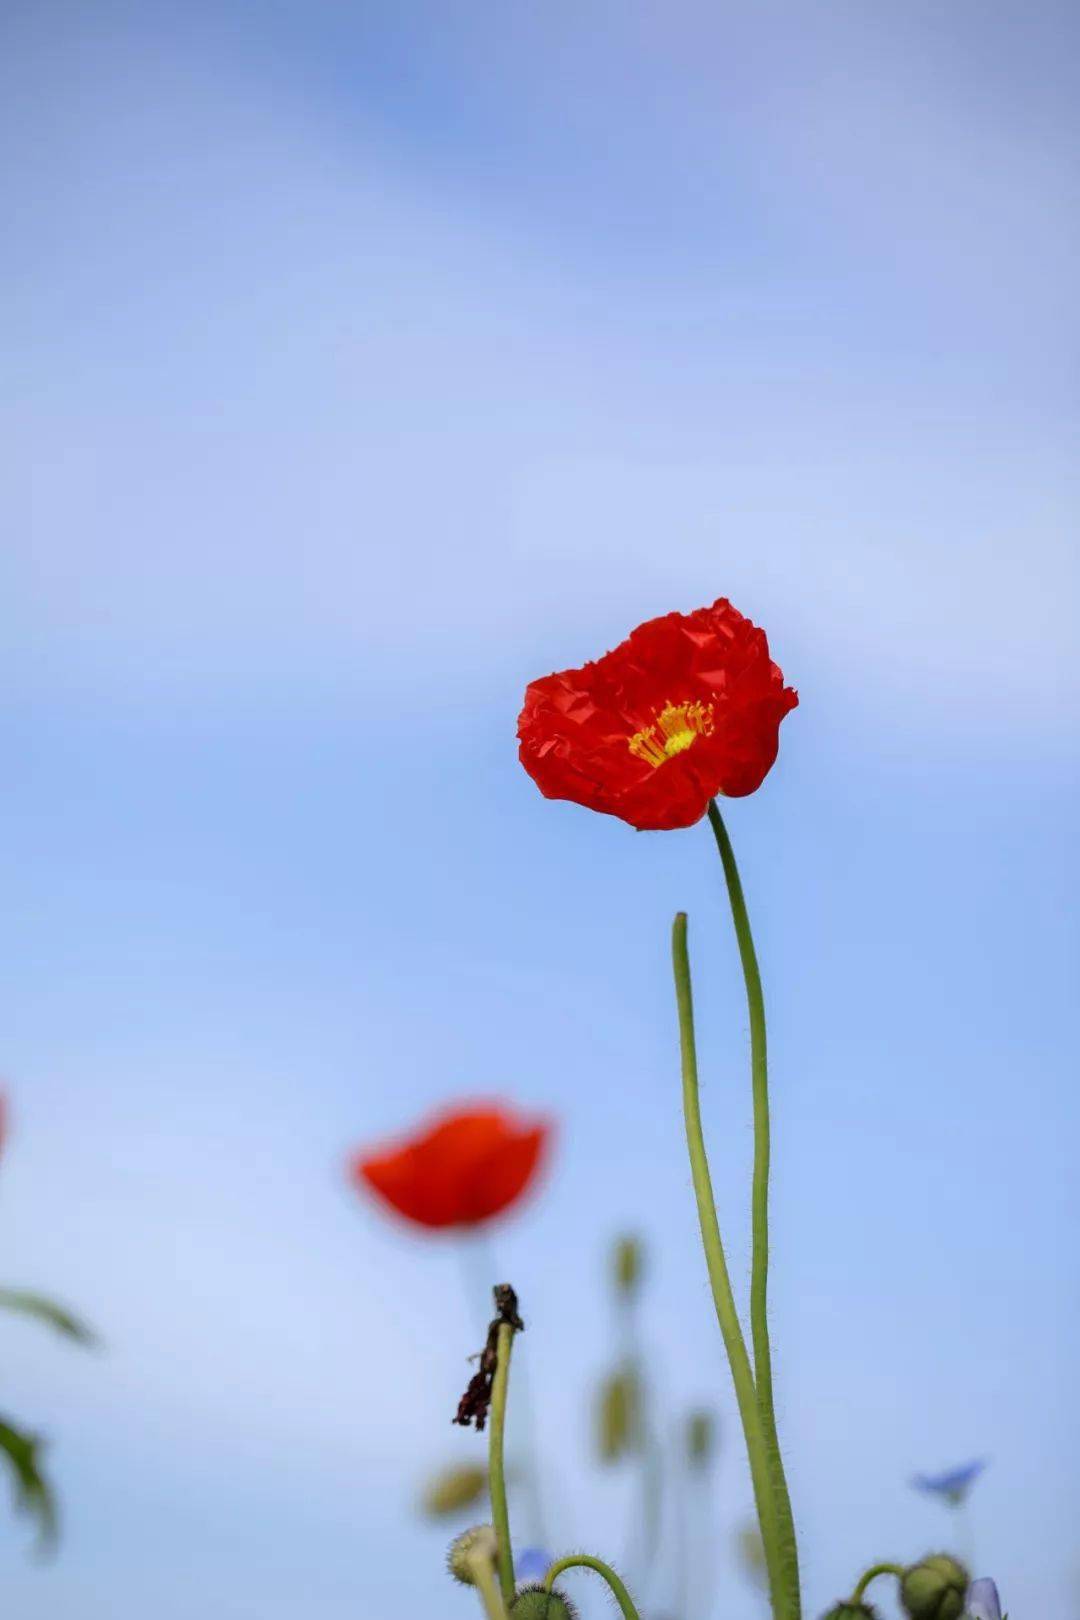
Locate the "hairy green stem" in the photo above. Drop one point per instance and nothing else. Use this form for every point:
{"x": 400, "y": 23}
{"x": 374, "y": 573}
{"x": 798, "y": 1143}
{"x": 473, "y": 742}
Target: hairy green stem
{"x": 584, "y": 1561}
{"x": 759, "y": 1269}
{"x": 872, "y": 1574}
{"x": 723, "y": 1299}
{"x": 500, "y": 1515}
{"x": 483, "y": 1574}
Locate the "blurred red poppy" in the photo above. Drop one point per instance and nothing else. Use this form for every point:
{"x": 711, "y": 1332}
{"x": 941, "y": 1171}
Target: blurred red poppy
{"x": 687, "y": 707}
{"x": 464, "y": 1167}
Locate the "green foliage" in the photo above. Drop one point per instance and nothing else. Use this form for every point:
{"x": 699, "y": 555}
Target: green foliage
{"x": 47, "y": 1311}
{"x": 33, "y": 1494}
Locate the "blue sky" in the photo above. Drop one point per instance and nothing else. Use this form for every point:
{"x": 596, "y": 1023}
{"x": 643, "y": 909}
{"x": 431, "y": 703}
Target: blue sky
{"x": 363, "y": 364}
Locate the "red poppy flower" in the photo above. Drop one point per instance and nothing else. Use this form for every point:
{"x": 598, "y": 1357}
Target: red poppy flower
{"x": 687, "y": 707}
{"x": 465, "y": 1166}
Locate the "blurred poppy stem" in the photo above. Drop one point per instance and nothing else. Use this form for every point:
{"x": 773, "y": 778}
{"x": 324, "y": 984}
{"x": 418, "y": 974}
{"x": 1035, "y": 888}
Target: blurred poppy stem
{"x": 759, "y": 1269}
{"x": 478, "y": 1268}
{"x": 584, "y": 1561}
{"x": 872, "y": 1574}
{"x": 500, "y": 1515}
{"x": 484, "y": 1580}
{"x": 785, "y": 1604}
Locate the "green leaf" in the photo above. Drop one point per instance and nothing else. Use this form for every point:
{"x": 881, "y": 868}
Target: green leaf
{"x": 45, "y": 1310}
{"x": 33, "y": 1494}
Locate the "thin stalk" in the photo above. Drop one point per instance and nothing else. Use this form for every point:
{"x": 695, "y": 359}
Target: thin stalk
{"x": 484, "y": 1580}
{"x": 500, "y": 1514}
{"x": 645, "y": 1539}
{"x": 872, "y": 1574}
{"x": 478, "y": 1268}
{"x": 759, "y": 1267}
{"x": 681, "y": 1502}
{"x": 723, "y": 1299}
{"x": 584, "y": 1561}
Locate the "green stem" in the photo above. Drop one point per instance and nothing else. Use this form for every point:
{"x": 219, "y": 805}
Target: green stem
{"x": 500, "y": 1514}
{"x": 584, "y": 1561}
{"x": 759, "y": 1268}
{"x": 723, "y": 1299}
{"x": 645, "y": 1538}
{"x": 872, "y": 1574}
{"x": 478, "y": 1264}
{"x": 484, "y": 1580}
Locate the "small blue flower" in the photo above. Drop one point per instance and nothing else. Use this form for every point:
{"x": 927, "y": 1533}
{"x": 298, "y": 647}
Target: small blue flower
{"x": 532, "y": 1563}
{"x": 982, "y": 1601}
{"x": 953, "y": 1484}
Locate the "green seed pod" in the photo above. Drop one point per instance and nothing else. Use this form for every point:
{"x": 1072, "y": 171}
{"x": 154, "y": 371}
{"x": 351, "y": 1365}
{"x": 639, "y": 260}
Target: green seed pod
{"x": 934, "y": 1588}
{"x": 453, "y": 1490}
{"x": 700, "y": 1437}
{"x": 468, "y": 1549}
{"x": 533, "y": 1603}
{"x": 851, "y": 1611}
{"x": 618, "y": 1415}
{"x": 626, "y": 1261}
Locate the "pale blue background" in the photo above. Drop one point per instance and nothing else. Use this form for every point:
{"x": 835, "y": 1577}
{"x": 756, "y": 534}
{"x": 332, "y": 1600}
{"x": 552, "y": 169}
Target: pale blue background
{"x": 361, "y": 362}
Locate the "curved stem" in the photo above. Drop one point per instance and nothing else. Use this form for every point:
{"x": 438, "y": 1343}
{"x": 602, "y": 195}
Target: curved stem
{"x": 500, "y": 1514}
{"x": 872, "y": 1574}
{"x": 484, "y": 1580}
{"x": 759, "y": 1272}
{"x": 584, "y": 1561}
{"x": 723, "y": 1299}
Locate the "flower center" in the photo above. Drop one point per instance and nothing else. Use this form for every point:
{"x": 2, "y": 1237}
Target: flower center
{"x": 676, "y": 727}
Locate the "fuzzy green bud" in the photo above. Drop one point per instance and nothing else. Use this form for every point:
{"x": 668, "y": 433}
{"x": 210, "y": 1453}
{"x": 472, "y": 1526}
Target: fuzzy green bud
{"x": 626, "y": 1260}
{"x": 534, "y": 1603}
{"x": 453, "y": 1490}
{"x": 934, "y": 1588}
{"x": 618, "y": 1415}
{"x": 751, "y": 1550}
{"x": 472, "y": 1547}
{"x": 700, "y": 1437}
{"x": 850, "y": 1611}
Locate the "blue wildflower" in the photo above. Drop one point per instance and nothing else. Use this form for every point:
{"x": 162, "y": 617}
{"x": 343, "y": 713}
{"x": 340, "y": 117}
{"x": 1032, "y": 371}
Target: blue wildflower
{"x": 953, "y": 1484}
{"x": 982, "y": 1601}
{"x": 532, "y": 1563}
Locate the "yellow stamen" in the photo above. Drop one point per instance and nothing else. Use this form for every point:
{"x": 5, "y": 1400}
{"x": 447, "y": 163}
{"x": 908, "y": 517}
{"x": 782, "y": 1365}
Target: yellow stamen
{"x": 675, "y": 728}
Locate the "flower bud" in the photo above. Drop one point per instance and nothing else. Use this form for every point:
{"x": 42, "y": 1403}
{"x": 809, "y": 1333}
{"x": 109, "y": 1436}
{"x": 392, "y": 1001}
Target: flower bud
{"x": 700, "y": 1437}
{"x": 751, "y": 1550}
{"x": 618, "y": 1412}
{"x": 626, "y": 1264}
{"x": 934, "y": 1588}
{"x": 533, "y": 1603}
{"x": 453, "y": 1490}
{"x": 851, "y": 1611}
{"x": 468, "y": 1549}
